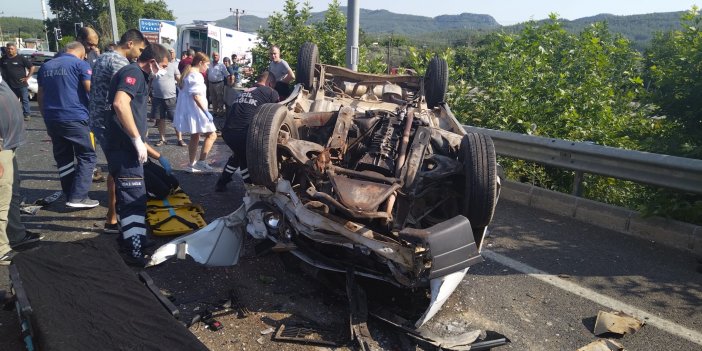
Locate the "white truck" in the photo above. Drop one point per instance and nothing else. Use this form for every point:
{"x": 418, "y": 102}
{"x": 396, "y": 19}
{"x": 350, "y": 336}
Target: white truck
{"x": 209, "y": 38}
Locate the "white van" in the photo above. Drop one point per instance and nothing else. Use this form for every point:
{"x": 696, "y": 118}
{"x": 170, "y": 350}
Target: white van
{"x": 209, "y": 38}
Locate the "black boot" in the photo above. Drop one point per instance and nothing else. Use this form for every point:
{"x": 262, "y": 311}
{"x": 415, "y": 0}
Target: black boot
{"x": 244, "y": 173}
{"x": 133, "y": 250}
{"x": 223, "y": 180}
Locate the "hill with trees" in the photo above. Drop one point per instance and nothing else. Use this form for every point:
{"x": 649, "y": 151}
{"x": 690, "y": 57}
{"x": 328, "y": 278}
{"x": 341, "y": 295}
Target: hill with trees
{"x": 467, "y": 28}
{"x": 384, "y": 21}
{"x": 13, "y": 27}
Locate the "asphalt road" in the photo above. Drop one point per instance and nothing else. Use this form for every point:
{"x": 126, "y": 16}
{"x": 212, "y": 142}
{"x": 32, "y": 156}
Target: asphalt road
{"x": 544, "y": 279}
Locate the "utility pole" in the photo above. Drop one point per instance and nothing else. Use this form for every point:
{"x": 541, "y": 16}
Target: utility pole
{"x": 352, "y": 14}
{"x": 113, "y": 19}
{"x": 45, "y": 16}
{"x": 57, "y": 30}
{"x": 237, "y": 12}
{"x": 389, "y": 43}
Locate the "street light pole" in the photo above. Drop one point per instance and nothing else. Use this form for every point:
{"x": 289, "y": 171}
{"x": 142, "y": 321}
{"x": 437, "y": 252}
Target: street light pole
{"x": 58, "y": 25}
{"x": 352, "y": 14}
{"x": 113, "y": 19}
{"x": 45, "y": 16}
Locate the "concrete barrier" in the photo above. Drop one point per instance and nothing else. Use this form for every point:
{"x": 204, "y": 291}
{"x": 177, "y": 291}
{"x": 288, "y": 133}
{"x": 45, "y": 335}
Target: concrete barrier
{"x": 671, "y": 233}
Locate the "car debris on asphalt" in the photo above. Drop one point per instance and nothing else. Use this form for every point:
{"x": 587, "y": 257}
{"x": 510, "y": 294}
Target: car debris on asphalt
{"x": 617, "y": 323}
{"x": 603, "y": 345}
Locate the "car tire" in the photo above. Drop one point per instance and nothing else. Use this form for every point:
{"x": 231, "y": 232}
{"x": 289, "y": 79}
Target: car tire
{"x": 262, "y": 149}
{"x": 480, "y": 193}
{"x": 436, "y": 82}
{"x": 307, "y": 58}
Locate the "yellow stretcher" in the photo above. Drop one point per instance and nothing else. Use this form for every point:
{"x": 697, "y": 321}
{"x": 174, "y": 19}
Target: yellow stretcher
{"x": 174, "y": 215}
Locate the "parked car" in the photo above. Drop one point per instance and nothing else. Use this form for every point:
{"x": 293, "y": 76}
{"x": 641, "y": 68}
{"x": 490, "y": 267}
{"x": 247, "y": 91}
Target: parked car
{"x": 372, "y": 172}
{"x": 25, "y": 52}
{"x": 39, "y": 57}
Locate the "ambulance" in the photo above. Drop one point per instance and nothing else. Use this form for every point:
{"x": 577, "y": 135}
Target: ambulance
{"x": 208, "y": 38}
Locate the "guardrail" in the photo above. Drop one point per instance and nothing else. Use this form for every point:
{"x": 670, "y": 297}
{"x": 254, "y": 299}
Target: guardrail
{"x": 642, "y": 167}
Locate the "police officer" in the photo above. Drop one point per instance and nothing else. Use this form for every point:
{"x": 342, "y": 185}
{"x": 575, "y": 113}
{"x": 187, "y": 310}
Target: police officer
{"x": 236, "y": 126}
{"x": 126, "y": 152}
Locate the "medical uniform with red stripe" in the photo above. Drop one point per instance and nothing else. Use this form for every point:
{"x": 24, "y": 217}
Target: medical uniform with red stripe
{"x": 122, "y": 157}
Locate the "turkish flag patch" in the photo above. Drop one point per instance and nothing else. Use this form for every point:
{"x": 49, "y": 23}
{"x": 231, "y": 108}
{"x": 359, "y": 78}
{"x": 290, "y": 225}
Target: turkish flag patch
{"x": 130, "y": 80}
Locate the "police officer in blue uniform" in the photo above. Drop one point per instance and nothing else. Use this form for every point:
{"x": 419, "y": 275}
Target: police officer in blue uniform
{"x": 126, "y": 151}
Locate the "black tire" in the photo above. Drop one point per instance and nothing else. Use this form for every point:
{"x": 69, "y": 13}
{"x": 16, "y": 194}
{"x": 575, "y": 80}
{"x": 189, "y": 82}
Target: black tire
{"x": 480, "y": 165}
{"x": 307, "y": 57}
{"x": 262, "y": 149}
{"x": 436, "y": 82}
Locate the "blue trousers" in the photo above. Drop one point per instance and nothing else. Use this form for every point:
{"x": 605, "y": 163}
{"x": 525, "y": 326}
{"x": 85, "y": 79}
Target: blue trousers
{"x": 22, "y": 93}
{"x": 128, "y": 173}
{"x": 75, "y": 156}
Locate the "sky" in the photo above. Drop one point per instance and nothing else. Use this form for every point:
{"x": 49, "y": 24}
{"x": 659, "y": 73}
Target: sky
{"x": 506, "y": 12}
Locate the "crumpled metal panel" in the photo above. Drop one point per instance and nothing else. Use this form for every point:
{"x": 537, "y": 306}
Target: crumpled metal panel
{"x": 361, "y": 195}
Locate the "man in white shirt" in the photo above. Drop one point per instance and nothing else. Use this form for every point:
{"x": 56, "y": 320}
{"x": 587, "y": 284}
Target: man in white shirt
{"x": 216, "y": 75}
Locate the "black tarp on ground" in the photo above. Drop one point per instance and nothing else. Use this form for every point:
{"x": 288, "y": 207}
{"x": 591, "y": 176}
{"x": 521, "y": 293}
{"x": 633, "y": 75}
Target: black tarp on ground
{"x": 84, "y": 297}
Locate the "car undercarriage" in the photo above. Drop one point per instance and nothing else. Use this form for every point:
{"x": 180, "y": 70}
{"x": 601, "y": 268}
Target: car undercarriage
{"x": 372, "y": 172}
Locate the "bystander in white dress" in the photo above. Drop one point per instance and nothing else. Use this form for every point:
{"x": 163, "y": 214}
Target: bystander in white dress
{"x": 189, "y": 118}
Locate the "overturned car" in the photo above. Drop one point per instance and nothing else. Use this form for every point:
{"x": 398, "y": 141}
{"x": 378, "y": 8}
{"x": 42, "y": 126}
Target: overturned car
{"x": 373, "y": 172}
{"x": 368, "y": 175}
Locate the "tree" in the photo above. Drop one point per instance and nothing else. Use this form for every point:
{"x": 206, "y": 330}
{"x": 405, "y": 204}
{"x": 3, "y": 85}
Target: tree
{"x": 291, "y": 28}
{"x": 331, "y": 36}
{"x": 546, "y": 81}
{"x": 674, "y": 78}
{"x": 95, "y": 13}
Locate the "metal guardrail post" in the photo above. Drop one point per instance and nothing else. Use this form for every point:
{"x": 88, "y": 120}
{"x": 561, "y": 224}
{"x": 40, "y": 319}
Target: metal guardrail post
{"x": 578, "y": 184}
{"x": 648, "y": 168}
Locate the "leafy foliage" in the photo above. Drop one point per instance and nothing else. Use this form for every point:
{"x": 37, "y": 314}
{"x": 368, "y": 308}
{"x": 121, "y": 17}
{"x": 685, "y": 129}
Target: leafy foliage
{"x": 95, "y": 13}
{"x": 545, "y": 80}
{"x": 290, "y": 29}
{"x": 26, "y": 27}
{"x": 674, "y": 71}
{"x": 586, "y": 87}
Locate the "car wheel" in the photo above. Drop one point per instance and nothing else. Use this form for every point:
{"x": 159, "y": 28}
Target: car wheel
{"x": 307, "y": 57}
{"x": 262, "y": 156}
{"x": 480, "y": 165}
{"x": 436, "y": 82}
